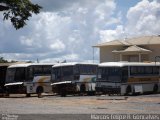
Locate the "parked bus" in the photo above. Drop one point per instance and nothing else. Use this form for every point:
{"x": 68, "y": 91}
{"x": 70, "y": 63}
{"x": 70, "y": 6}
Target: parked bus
{"x": 29, "y": 78}
{"x": 128, "y": 78}
{"x": 72, "y": 78}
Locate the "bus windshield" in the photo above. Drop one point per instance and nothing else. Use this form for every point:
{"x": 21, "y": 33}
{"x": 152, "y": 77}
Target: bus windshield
{"x": 62, "y": 73}
{"x": 38, "y": 71}
{"x": 110, "y": 74}
{"x": 15, "y": 75}
{"x": 87, "y": 69}
{"x": 3, "y": 70}
{"x": 69, "y": 73}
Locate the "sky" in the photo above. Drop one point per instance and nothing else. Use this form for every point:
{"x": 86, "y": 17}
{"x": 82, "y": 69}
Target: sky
{"x": 67, "y": 29}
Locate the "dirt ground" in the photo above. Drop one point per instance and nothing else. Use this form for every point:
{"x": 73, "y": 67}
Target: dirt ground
{"x": 19, "y": 104}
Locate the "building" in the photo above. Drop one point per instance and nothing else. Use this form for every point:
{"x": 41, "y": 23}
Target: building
{"x": 138, "y": 49}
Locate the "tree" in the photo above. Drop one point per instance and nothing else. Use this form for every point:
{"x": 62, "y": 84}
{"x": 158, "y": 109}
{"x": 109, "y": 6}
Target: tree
{"x": 18, "y": 11}
{"x": 2, "y": 60}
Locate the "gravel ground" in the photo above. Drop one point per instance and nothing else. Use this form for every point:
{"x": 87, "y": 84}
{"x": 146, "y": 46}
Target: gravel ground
{"x": 143, "y": 104}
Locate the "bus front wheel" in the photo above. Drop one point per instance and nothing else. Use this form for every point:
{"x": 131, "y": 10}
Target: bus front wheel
{"x": 63, "y": 92}
{"x": 28, "y": 95}
{"x": 155, "y": 88}
{"x": 128, "y": 90}
{"x": 39, "y": 91}
{"x": 82, "y": 88}
{"x": 91, "y": 93}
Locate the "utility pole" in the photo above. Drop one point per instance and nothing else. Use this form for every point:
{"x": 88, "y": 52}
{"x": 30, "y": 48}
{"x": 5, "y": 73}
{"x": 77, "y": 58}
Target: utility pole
{"x": 37, "y": 60}
{"x": 93, "y": 54}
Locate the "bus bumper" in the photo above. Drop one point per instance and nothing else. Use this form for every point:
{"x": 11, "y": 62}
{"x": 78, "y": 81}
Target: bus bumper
{"x": 108, "y": 90}
{"x": 16, "y": 89}
{"x": 68, "y": 88}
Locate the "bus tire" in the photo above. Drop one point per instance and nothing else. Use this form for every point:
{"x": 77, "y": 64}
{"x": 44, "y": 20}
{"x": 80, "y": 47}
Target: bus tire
{"x": 7, "y": 93}
{"x": 28, "y": 95}
{"x": 82, "y": 88}
{"x": 39, "y": 91}
{"x": 128, "y": 90}
{"x": 91, "y": 93}
{"x": 155, "y": 88}
{"x": 63, "y": 92}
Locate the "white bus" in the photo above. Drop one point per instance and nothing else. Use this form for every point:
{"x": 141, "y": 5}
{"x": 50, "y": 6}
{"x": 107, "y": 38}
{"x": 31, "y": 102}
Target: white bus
{"x": 29, "y": 78}
{"x": 128, "y": 78}
{"x": 71, "y": 78}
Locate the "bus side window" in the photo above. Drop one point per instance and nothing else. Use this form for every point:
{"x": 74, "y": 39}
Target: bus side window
{"x": 148, "y": 70}
{"x": 104, "y": 73}
{"x": 82, "y": 69}
{"x": 37, "y": 70}
{"x": 76, "y": 70}
{"x": 137, "y": 70}
{"x": 47, "y": 69}
{"x": 155, "y": 70}
{"x": 141, "y": 70}
{"x": 94, "y": 69}
{"x": 133, "y": 70}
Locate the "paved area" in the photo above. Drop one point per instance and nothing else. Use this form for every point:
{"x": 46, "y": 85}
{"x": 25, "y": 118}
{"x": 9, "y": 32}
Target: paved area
{"x": 19, "y": 104}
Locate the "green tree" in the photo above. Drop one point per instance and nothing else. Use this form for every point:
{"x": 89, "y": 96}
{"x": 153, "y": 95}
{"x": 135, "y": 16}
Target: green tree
{"x": 2, "y": 60}
{"x": 18, "y": 11}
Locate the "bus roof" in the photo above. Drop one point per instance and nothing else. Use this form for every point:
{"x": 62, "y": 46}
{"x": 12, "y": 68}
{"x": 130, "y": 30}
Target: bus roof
{"x": 30, "y": 64}
{"x": 72, "y": 64}
{"x": 122, "y": 64}
{"x": 8, "y": 64}
{"x": 5, "y": 64}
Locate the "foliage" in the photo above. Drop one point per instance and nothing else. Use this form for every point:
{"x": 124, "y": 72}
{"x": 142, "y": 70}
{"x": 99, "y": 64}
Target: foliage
{"x": 2, "y": 60}
{"x": 19, "y": 11}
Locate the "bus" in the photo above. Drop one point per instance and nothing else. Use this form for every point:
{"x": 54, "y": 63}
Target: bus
{"x": 29, "y": 78}
{"x": 126, "y": 78}
{"x": 74, "y": 78}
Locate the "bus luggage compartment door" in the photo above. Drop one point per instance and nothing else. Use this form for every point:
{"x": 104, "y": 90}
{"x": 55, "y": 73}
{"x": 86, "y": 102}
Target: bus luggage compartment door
{"x": 30, "y": 88}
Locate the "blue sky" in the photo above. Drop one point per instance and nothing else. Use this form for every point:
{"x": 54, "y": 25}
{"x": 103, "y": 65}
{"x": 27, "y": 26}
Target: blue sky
{"x": 67, "y": 29}
{"x": 124, "y": 6}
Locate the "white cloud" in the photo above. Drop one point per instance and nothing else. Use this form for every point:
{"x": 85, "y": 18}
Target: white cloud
{"x": 105, "y": 10}
{"x": 57, "y": 45}
{"x": 65, "y": 32}
{"x": 66, "y": 29}
{"x": 108, "y": 35}
{"x": 26, "y": 41}
{"x": 142, "y": 19}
